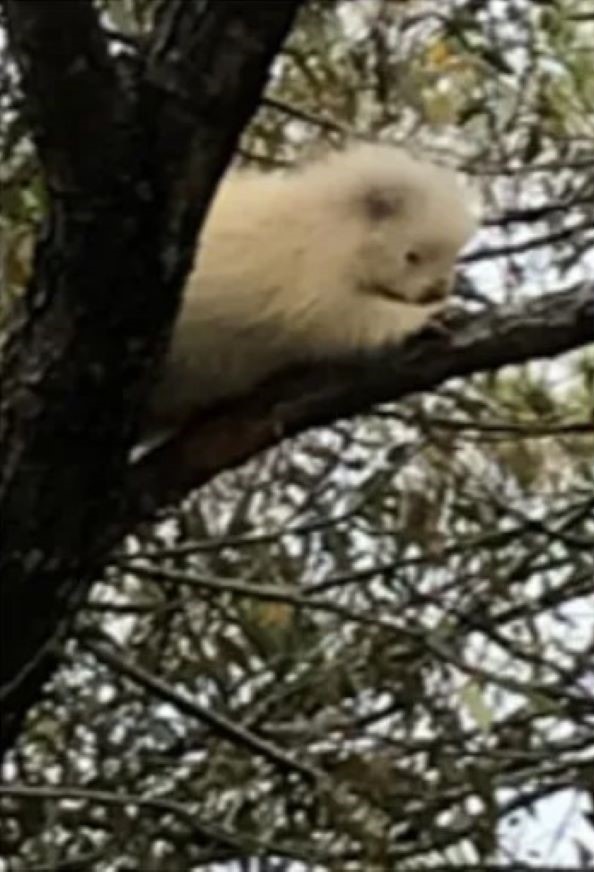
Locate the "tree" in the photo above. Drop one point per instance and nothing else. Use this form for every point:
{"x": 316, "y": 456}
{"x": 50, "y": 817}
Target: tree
{"x": 348, "y": 653}
{"x": 130, "y": 158}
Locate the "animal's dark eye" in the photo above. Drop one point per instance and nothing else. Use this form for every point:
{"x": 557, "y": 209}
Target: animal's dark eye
{"x": 413, "y": 258}
{"x": 380, "y": 205}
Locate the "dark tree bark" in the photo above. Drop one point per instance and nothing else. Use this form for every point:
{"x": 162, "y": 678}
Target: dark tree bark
{"x": 131, "y": 155}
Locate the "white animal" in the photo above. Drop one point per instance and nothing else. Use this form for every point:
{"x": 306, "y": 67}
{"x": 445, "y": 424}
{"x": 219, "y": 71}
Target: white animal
{"x": 347, "y": 253}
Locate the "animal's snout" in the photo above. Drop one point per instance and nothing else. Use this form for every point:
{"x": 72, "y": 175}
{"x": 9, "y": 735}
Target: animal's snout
{"x": 436, "y": 291}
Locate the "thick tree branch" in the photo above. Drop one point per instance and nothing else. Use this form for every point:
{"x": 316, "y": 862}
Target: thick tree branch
{"x": 223, "y": 85}
{"x": 74, "y": 98}
{"x": 321, "y": 394}
{"x": 120, "y": 153}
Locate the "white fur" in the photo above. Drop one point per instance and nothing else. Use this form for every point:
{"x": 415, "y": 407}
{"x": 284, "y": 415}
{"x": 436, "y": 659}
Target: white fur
{"x": 302, "y": 265}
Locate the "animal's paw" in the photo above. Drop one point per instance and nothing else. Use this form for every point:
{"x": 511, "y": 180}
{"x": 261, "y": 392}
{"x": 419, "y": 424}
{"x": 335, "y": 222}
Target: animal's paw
{"x": 443, "y": 323}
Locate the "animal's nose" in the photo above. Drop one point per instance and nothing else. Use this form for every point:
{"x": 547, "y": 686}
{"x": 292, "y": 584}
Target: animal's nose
{"x": 436, "y": 291}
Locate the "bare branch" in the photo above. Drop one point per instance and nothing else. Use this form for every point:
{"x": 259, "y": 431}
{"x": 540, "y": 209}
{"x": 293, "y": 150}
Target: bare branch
{"x": 222, "y": 725}
{"x": 63, "y": 792}
{"x": 74, "y": 98}
{"x": 321, "y": 394}
{"x": 198, "y": 98}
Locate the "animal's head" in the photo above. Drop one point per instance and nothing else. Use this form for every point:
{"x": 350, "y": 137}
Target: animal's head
{"x": 413, "y": 218}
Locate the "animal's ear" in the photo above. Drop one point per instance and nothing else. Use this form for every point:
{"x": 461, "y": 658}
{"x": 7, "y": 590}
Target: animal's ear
{"x": 381, "y": 203}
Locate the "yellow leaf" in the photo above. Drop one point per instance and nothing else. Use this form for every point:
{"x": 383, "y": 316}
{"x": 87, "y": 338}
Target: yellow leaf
{"x": 439, "y": 54}
{"x": 275, "y": 614}
{"x": 472, "y": 697}
{"x": 440, "y": 107}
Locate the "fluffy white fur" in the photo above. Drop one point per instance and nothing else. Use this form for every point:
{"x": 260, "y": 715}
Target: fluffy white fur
{"x": 347, "y": 253}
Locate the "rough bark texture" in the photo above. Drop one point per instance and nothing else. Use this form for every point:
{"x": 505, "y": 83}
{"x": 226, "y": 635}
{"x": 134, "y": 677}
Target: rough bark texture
{"x": 131, "y": 157}
{"x": 316, "y": 395}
